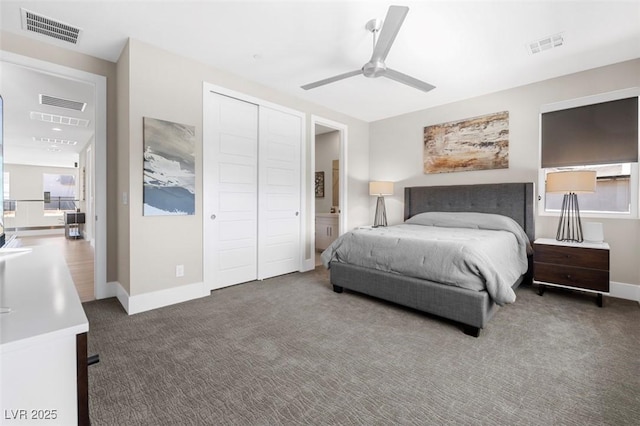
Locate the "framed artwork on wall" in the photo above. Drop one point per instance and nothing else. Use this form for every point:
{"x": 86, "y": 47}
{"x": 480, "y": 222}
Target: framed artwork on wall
{"x": 169, "y": 168}
{"x": 478, "y": 143}
{"x": 319, "y": 184}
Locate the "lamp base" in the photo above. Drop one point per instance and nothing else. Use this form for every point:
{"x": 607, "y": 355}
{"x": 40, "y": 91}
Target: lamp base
{"x": 570, "y": 225}
{"x": 381, "y": 213}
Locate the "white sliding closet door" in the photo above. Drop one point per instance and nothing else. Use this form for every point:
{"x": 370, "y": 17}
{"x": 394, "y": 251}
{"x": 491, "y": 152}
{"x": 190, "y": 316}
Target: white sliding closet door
{"x": 252, "y": 199}
{"x": 230, "y": 172}
{"x": 279, "y": 193}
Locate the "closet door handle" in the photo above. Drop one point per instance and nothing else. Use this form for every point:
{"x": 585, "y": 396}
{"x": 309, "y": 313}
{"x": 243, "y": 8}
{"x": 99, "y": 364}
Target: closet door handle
{"x": 213, "y": 217}
{"x": 297, "y": 213}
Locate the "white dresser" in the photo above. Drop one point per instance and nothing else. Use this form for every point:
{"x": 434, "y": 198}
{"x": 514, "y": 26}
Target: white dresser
{"x": 43, "y": 341}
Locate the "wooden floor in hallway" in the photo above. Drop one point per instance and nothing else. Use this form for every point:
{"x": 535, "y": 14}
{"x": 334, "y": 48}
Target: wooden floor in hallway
{"x": 79, "y": 257}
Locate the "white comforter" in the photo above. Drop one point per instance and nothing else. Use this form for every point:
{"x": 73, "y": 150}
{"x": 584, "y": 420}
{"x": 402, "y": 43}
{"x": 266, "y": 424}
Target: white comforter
{"x": 459, "y": 251}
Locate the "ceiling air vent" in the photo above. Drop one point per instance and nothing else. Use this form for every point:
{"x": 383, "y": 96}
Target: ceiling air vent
{"x": 59, "y": 119}
{"x": 546, "y": 43}
{"x": 55, "y": 141}
{"x": 62, "y": 103}
{"x": 50, "y": 27}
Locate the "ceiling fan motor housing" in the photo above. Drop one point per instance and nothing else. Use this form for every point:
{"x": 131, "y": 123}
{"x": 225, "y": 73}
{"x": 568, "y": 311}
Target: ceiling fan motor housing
{"x": 374, "y": 69}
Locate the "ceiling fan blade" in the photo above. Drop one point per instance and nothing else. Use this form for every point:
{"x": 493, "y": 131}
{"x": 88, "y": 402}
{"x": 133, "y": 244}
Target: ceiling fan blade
{"x": 331, "y": 79}
{"x": 390, "y": 28}
{"x": 408, "y": 80}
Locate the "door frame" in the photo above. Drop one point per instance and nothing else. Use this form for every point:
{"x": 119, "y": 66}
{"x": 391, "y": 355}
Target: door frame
{"x": 87, "y": 181}
{"x": 343, "y": 208}
{"x": 99, "y": 82}
{"x": 304, "y": 217}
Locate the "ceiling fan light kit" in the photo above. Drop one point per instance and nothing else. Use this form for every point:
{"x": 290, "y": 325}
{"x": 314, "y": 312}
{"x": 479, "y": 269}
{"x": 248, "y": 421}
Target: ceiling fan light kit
{"x": 386, "y": 34}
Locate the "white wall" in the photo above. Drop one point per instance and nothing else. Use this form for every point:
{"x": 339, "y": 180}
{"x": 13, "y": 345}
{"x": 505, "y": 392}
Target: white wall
{"x": 396, "y": 150}
{"x": 327, "y": 150}
{"x": 26, "y": 184}
{"x": 35, "y": 157}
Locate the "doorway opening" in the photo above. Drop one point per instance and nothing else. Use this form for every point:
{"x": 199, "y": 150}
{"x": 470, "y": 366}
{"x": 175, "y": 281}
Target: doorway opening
{"x": 329, "y": 172}
{"x": 93, "y": 163}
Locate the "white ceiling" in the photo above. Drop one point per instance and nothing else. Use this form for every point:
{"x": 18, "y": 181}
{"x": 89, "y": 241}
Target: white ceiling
{"x": 464, "y": 48}
{"x": 20, "y": 88}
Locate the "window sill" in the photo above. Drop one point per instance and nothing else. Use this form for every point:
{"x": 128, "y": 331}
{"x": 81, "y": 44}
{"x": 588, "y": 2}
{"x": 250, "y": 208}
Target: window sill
{"x": 615, "y": 216}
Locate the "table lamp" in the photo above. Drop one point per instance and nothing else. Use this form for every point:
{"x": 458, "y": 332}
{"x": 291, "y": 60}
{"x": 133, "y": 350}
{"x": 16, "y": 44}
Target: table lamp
{"x": 380, "y": 189}
{"x": 571, "y": 183}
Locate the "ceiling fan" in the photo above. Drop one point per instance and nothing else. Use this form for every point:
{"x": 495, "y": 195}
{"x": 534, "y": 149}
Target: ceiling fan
{"x": 376, "y": 66}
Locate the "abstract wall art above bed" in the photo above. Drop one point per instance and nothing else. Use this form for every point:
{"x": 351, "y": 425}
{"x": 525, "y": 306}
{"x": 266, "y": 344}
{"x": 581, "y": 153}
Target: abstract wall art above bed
{"x": 169, "y": 168}
{"x": 478, "y": 143}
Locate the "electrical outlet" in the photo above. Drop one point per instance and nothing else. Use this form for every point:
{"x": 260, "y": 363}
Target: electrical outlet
{"x": 179, "y": 270}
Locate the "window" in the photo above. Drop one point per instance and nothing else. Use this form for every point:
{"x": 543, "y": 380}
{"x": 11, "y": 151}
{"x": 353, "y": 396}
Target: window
{"x": 59, "y": 192}
{"x": 8, "y": 204}
{"x": 597, "y": 133}
{"x": 613, "y": 190}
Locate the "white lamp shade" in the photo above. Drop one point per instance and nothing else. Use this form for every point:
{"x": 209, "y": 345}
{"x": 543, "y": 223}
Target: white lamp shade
{"x": 380, "y": 188}
{"x": 573, "y": 181}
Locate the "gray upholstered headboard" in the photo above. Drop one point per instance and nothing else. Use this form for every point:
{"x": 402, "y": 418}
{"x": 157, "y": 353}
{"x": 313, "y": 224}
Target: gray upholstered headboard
{"x": 515, "y": 200}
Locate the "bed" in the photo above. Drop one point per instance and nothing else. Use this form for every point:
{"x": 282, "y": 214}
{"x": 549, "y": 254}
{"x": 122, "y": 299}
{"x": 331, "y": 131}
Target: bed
{"x": 471, "y": 308}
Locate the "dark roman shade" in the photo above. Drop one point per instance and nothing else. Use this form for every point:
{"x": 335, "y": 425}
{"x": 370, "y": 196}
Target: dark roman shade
{"x": 603, "y": 133}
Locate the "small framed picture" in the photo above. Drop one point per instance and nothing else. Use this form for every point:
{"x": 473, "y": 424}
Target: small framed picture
{"x": 319, "y": 184}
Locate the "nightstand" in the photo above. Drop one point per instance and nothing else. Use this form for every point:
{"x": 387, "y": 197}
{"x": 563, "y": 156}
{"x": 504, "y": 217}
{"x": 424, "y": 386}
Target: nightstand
{"x": 578, "y": 266}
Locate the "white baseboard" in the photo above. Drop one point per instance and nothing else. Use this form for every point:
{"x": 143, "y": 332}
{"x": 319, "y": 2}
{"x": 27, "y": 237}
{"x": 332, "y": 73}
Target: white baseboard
{"x": 85, "y": 236}
{"x": 157, "y": 299}
{"x": 123, "y": 296}
{"x": 624, "y": 291}
{"x": 308, "y": 265}
{"x": 107, "y": 290}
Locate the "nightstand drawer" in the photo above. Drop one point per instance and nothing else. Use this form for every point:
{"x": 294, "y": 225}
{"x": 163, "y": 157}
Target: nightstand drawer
{"x": 572, "y": 256}
{"x": 592, "y": 279}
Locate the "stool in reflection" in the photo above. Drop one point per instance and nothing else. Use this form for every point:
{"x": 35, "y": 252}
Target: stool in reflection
{"x": 73, "y": 225}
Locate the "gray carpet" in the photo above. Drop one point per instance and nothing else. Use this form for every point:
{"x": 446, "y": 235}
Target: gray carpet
{"x": 289, "y": 350}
